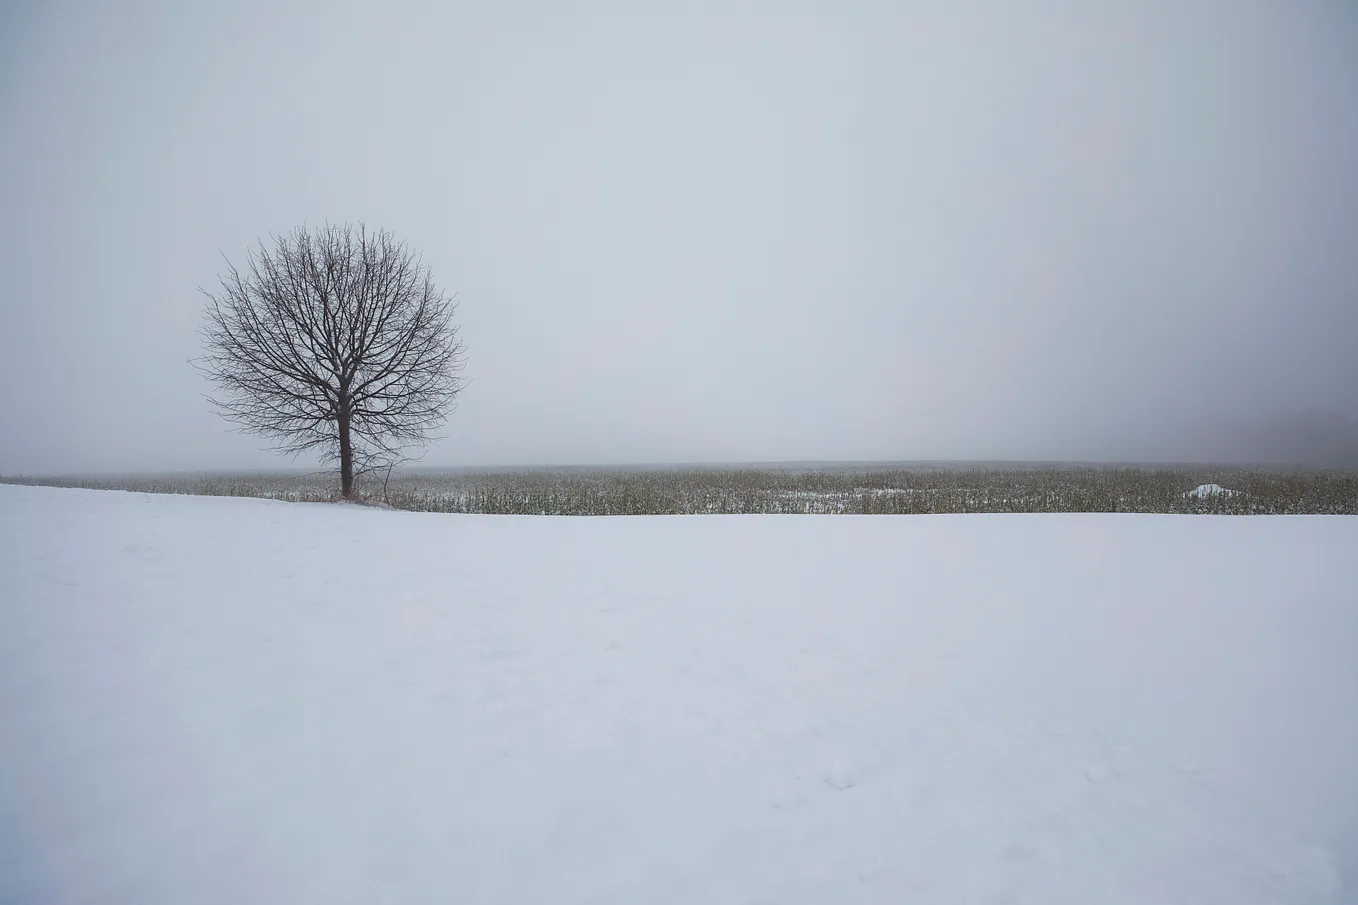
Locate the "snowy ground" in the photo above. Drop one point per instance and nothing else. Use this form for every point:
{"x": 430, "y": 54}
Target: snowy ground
{"x": 227, "y": 701}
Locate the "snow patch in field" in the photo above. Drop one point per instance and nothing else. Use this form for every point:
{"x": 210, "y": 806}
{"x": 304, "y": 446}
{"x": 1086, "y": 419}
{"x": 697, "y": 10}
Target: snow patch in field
{"x": 1203, "y": 491}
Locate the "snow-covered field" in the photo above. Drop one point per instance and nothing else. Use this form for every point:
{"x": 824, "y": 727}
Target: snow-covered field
{"x": 228, "y": 701}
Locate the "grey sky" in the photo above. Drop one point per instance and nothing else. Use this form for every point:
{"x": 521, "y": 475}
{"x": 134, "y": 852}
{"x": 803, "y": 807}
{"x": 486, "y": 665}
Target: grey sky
{"x": 702, "y": 231}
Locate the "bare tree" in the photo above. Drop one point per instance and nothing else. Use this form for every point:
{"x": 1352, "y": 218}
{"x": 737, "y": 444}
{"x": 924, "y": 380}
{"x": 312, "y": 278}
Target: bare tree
{"x": 335, "y": 341}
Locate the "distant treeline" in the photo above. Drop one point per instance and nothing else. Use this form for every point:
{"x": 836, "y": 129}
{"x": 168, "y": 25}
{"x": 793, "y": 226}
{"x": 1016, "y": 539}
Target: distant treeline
{"x": 833, "y": 490}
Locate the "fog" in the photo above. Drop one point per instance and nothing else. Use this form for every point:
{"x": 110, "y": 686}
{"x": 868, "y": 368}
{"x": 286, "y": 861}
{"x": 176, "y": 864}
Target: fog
{"x": 703, "y": 231}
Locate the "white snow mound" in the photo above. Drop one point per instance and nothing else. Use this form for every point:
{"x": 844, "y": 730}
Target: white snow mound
{"x": 1203, "y": 491}
{"x": 221, "y": 701}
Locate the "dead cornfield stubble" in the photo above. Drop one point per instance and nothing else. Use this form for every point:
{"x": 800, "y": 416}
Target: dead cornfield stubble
{"x": 865, "y": 490}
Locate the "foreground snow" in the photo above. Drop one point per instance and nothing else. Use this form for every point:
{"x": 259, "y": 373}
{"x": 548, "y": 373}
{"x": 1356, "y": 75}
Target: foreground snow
{"x": 216, "y": 700}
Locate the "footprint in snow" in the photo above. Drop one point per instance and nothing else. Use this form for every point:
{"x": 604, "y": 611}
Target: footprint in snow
{"x": 1018, "y": 852}
{"x": 839, "y": 778}
{"x": 785, "y": 799}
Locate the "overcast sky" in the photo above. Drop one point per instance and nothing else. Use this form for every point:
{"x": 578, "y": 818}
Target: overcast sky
{"x": 701, "y": 231}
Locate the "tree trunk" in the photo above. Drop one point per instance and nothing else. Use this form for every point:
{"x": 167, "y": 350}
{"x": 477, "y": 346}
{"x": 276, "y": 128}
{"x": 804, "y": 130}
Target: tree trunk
{"x": 346, "y": 450}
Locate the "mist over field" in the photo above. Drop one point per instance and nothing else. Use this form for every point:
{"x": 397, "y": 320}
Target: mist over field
{"x": 709, "y": 233}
